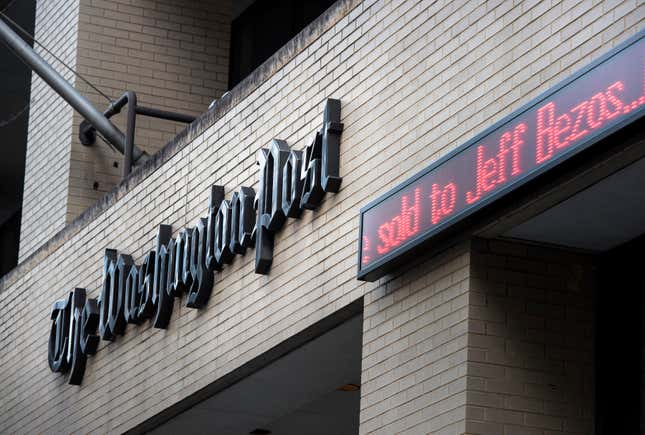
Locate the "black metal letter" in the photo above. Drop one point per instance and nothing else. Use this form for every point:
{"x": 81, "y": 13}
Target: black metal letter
{"x": 270, "y": 216}
{"x": 116, "y": 317}
{"x": 183, "y": 277}
{"x": 277, "y": 158}
{"x": 59, "y": 335}
{"x": 216, "y": 198}
{"x": 223, "y": 253}
{"x": 72, "y": 335}
{"x": 263, "y": 237}
{"x": 331, "y": 131}
{"x": 312, "y": 191}
{"x": 160, "y": 298}
{"x": 170, "y": 266}
{"x": 292, "y": 185}
{"x": 202, "y": 277}
{"x": 109, "y": 263}
{"x": 89, "y": 323}
{"x": 146, "y": 283}
{"x": 245, "y": 218}
{"x": 76, "y": 358}
{"x": 132, "y": 296}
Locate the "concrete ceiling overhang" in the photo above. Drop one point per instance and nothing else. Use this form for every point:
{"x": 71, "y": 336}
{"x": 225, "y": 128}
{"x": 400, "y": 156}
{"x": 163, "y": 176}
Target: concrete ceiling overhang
{"x": 599, "y": 218}
{"x": 296, "y": 394}
{"x": 593, "y": 205}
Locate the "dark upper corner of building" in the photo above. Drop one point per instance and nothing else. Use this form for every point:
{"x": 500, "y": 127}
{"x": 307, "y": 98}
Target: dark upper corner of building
{"x": 219, "y": 108}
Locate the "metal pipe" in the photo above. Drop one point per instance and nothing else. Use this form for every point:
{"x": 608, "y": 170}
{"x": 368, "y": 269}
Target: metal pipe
{"x": 163, "y": 114}
{"x": 132, "y": 154}
{"x": 64, "y": 89}
{"x": 129, "y": 98}
{"x": 115, "y": 106}
{"x": 61, "y": 86}
{"x": 129, "y": 132}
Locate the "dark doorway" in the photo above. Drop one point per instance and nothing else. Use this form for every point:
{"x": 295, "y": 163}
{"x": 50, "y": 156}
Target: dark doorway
{"x": 620, "y": 334}
{"x": 15, "y": 86}
{"x": 263, "y": 27}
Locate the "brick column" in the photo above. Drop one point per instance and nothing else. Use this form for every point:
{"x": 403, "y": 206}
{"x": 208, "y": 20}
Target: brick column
{"x": 492, "y": 338}
{"x": 47, "y": 160}
{"x": 415, "y": 338}
{"x": 530, "y": 356}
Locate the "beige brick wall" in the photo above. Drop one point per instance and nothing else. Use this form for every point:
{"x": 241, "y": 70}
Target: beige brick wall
{"x": 172, "y": 53}
{"x": 416, "y": 79}
{"x": 415, "y": 349}
{"x": 530, "y": 347}
{"x": 50, "y": 130}
{"x": 488, "y": 338}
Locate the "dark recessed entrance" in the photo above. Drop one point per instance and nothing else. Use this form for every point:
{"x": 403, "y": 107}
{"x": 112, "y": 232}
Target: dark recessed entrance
{"x": 14, "y": 114}
{"x": 606, "y": 220}
{"x": 620, "y": 341}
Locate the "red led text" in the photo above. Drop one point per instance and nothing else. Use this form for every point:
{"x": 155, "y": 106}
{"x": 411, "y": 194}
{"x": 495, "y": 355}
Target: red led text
{"x": 402, "y": 226}
{"x": 494, "y": 170}
{"x": 443, "y": 201}
{"x": 556, "y": 131}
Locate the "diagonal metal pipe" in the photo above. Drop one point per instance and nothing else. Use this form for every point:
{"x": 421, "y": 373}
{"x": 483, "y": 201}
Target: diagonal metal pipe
{"x": 67, "y": 91}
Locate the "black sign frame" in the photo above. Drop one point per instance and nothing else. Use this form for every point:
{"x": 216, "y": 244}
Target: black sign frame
{"x": 385, "y": 264}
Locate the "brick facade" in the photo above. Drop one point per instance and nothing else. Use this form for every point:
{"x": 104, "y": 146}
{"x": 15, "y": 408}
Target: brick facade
{"x": 173, "y": 54}
{"x": 47, "y": 167}
{"x": 415, "y": 79}
{"x": 488, "y": 338}
{"x": 415, "y": 349}
{"x": 530, "y": 347}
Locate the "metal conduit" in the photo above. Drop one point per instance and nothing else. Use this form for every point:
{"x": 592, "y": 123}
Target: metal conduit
{"x": 67, "y": 91}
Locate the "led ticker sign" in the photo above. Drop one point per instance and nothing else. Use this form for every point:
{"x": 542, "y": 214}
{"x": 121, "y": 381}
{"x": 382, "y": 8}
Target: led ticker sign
{"x": 600, "y": 99}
